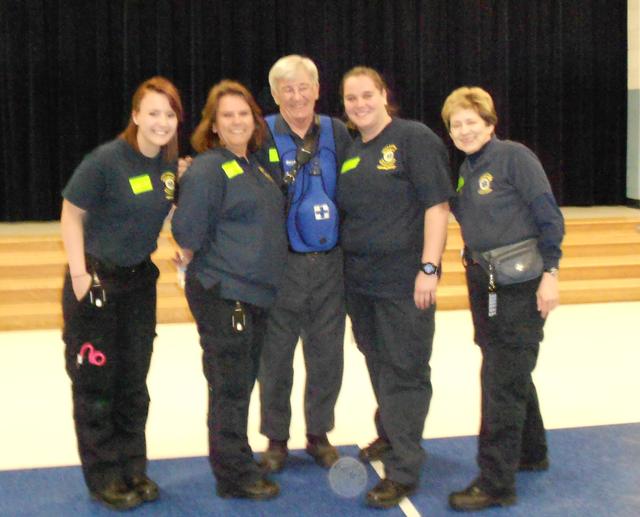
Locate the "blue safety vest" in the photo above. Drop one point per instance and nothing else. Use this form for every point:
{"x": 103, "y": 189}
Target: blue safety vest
{"x": 312, "y": 221}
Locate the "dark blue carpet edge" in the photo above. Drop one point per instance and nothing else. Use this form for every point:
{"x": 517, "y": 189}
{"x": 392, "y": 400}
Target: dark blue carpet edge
{"x": 595, "y": 471}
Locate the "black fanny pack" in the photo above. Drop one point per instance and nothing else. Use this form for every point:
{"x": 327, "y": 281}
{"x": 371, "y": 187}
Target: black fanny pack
{"x": 511, "y": 264}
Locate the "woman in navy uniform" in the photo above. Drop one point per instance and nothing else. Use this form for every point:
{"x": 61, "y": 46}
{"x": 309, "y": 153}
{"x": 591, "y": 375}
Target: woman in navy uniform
{"x": 113, "y": 210}
{"x": 230, "y": 224}
{"x": 393, "y": 195}
{"x": 503, "y": 198}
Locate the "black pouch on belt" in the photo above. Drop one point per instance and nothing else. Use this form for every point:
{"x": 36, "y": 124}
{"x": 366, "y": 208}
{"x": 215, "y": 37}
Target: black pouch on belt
{"x": 512, "y": 264}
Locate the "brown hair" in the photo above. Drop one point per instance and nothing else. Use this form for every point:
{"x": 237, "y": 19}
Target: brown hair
{"x": 162, "y": 85}
{"x": 378, "y": 81}
{"x": 469, "y": 97}
{"x": 204, "y": 138}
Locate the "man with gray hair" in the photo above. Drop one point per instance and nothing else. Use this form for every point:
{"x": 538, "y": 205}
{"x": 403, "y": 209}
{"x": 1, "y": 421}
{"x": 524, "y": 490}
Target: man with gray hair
{"x": 305, "y": 152}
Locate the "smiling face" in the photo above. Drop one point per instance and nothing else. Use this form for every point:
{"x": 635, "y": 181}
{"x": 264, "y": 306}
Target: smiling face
{"x": 234, "y": 123}
{"x": 365, "y": 105}
{"x": 469, "y": 131}
{"x": 157, "y": 123}
{"x": 296, "y": 96}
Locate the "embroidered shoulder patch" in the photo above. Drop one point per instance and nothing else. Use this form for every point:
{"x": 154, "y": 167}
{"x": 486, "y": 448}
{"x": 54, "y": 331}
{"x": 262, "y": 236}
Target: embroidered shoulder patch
{"x": 350, "y": 164}
{"x": 141, "y": 184}
{"x": 232, "y": 169}
{"x": 484, "y": 184}
{"x": 388, "y": 160}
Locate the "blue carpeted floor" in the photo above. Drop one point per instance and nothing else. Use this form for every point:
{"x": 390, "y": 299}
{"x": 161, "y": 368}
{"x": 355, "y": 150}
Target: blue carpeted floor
{"x": 595, "y": 472}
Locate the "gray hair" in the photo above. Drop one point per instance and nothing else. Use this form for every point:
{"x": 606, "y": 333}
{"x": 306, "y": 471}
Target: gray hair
{"x": 287, "y": 66}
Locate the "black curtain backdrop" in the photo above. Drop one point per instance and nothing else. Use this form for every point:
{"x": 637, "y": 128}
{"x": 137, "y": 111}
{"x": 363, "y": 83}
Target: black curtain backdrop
{"x": 556, "y": 69}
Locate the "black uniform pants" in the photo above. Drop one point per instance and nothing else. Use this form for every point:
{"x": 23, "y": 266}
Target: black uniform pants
{"x": 396, "y": 339}
{"x": 230, "y": 363}
{"x": 107, "y": 353}
{"x": 310, "y": 304}
{"x": 511, "y": 429}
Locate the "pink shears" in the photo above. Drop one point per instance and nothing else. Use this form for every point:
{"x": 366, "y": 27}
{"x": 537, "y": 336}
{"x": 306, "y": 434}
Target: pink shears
{"x": 95, "y": 357}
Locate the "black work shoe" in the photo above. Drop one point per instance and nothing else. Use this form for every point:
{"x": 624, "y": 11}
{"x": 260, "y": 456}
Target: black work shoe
{"x": 388, "y": 493}
{"x": 261, "y": 489}
{"x": 319, "y": 448}
{"x": 145, "y": 487}
{"x": 534, "y": 466}
{"x": 475, "y": 498}
{"x": 274, "y": 458}
{"x": 374, "y": 451}
{"x": 117, "y": 496}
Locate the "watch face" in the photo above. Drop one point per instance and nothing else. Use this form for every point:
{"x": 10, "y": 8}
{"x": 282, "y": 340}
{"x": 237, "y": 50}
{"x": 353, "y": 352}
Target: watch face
{"x": 429, "y": 268}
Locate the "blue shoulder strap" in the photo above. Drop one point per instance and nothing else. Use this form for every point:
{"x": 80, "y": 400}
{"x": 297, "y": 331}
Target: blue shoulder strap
{"x": 287, "y": 147}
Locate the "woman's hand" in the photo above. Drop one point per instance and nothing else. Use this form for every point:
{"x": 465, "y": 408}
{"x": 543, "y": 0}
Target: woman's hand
{"x": 182, "y": 258}
{"x": 181, "y": 261}
{"x": 183, "y": 165}
{"x": 424, "y": 293}
{"x": 548, "y": 294}
{"x": 81, "y": 284}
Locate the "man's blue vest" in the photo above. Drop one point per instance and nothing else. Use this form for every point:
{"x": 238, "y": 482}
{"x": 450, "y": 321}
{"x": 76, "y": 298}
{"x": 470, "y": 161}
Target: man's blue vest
{"x": 312, "y": 221}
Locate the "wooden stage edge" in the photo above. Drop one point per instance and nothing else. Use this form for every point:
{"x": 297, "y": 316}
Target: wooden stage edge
{"x": 570, "y": 213}
{"x": 601, "y": 263}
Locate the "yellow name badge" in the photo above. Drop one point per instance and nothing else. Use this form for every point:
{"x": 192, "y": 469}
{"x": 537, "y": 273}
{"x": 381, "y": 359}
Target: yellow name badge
{"x": 141, "y": 184}
{"x": 232, "y": 169}
{"x": 350, "y": 164}
{"x": 273, "y": 155}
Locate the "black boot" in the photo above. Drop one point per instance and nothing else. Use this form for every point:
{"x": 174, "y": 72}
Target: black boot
{"x": 319, "y": 448}
{"x": 117, "y": 496}
{"x": 475, "y": 498}
{"x": 374, "y": 451}
{"x": 388, "y": 493}
{"x": 274, "y": 458}
{"x": 260, "y": 489}
{"x": 145, "y": 487}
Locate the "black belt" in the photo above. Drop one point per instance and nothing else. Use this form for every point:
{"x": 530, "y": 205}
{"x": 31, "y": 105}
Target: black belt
{"x": 109, "y": 269}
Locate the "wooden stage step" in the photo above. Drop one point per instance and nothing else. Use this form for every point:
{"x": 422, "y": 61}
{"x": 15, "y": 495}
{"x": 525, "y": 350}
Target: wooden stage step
{"x": 601, "y": 263}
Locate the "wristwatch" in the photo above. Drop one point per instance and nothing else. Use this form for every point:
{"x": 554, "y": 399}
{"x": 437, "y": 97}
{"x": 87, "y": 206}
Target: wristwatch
{"x": 553, "y": 271}
{"x": 429, "y": 268}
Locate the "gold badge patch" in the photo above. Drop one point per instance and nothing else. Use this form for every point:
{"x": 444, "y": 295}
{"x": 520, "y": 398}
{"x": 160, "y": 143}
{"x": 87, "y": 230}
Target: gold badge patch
{"x": 388, "y": 160}
{"x": 484, "y": 184}
{"x": 169, "y": 180}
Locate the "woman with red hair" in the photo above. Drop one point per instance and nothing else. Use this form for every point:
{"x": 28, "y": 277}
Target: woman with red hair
{"x": 113, "y": 210}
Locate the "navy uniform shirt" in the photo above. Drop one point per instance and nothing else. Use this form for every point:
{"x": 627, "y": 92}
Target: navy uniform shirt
{"x": 504, "y": 197}
{"x": 231, "y": 214}
{"x": 127, "y": 197}
{"x": 384, "y": 188}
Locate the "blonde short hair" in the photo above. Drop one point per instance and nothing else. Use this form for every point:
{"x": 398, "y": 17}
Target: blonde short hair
{"x": 287, "y": 66}
{"x": 469, "y": 97}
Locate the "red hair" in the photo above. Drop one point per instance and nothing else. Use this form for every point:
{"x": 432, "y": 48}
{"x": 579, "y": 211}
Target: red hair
{"x": 161, "y": 85}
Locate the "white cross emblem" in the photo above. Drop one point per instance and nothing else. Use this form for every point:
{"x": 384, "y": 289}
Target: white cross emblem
{"x": 321, "y": 212}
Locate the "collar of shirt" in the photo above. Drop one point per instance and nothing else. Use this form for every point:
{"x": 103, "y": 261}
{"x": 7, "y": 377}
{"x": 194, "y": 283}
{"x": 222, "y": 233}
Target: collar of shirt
{"x": 473, "y": 158}
{"x": 232, "y": 156}
{"x": 281, "y": 126}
